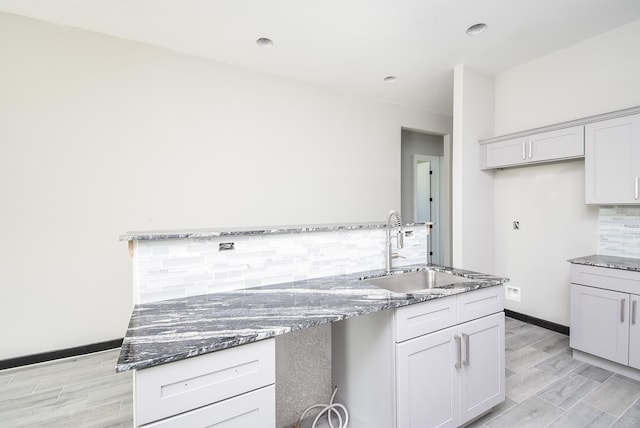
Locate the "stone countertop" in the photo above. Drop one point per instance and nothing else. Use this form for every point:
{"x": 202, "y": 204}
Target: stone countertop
{"x": 172, "y": 330}
{"x": 251, "y": 231}
{"x": 613, "y": 262}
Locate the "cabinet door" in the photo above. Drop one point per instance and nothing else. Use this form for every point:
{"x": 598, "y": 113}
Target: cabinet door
{"x": 427, "y": 381}
{"x": 634, "y": 332}
{"x": 600, "y": 322}
{"x": 482, "y": 374}
{"x": 506, "y": 153}
{"x": 612, "y": 161}
{"x": 560, "y": 144}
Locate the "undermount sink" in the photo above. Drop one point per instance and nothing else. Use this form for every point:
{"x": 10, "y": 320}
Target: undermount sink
{"x": 416, "y": 281}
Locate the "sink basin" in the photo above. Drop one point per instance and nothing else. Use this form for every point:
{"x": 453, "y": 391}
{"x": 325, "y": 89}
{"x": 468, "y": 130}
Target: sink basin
{"x": 416, "y": 281}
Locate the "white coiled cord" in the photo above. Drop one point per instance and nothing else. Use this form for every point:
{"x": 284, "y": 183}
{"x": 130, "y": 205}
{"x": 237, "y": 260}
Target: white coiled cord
{"x": 330, "y": 409}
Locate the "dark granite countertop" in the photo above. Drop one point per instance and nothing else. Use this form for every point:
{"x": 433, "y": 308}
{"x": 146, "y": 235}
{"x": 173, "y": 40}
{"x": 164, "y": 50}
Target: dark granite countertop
{"x": 248, "y": 231}
{"x": 176, "y": 329}
{"x": 613, "y": 262}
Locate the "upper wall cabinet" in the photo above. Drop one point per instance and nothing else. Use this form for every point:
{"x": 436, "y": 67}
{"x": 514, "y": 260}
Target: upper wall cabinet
{"x": 612, "y": 161}
{"x": 548, "y": 146}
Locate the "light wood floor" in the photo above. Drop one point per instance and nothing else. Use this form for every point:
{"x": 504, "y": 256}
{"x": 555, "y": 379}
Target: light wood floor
{"x": 74, "y": 392}
{"x": 545, "y": 388}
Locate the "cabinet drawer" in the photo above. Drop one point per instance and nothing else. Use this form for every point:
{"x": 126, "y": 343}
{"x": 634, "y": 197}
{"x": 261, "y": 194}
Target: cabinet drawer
{"x": 623, "y": 281}
{"x": 480, "y": 303}
{"x": 422, "y": 318}
{"x": 183, "y": 385}
{"x": 254, "y": 409}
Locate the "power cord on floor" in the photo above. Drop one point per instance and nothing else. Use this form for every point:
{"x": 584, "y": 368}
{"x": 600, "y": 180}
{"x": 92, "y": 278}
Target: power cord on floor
{"x": 330, "y": 409}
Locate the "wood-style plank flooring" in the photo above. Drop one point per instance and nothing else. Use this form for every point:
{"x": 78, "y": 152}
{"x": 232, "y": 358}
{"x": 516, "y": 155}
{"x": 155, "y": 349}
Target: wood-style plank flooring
{"x": 546, "y": 387}
{"x": 73, "y": 392}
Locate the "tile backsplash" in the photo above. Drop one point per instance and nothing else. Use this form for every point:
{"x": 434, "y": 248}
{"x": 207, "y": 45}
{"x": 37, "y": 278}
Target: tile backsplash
{"x": 619, "y": 231}
{"x": 166, "y": 269}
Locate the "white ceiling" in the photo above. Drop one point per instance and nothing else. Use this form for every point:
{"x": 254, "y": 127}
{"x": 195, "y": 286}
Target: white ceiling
{"x": 350, "y": 44}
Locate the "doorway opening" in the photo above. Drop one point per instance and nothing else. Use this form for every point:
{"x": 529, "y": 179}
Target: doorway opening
{"x": 425, "y": 188}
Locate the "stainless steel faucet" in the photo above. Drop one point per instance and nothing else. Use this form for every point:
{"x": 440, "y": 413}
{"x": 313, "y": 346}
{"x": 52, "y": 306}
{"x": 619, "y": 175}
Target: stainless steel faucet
{"x": 399, "y": 238}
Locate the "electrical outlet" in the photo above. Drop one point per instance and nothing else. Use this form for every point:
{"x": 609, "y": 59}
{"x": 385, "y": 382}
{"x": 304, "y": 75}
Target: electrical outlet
{"x": 512, "y": 293}
{"x": 516, "y": 225}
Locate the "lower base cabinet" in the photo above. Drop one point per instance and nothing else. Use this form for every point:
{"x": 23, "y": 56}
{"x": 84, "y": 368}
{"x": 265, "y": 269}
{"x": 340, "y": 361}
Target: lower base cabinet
{"x": 604, "y": 314}
{"x": 232, "y": 388}
{"x": 451, "y": 376}
{"x": 447, "y": 372}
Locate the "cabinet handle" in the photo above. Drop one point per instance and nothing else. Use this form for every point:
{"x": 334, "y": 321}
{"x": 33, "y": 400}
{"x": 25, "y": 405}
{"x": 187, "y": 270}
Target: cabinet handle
{"x": 622, "y": 304}
{"x": 459, "y": 344}
{"x": 633, "y": 312}
{"x": 637, "y": 194}
{"x": 524, "y": 150}
{"x": 465, "y": 362}
{"x": 530, "y": 149}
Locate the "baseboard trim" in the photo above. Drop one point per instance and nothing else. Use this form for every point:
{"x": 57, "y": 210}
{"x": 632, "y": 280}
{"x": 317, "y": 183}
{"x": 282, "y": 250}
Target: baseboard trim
{"x": 563, "y": 329}
{"x": 62, "y": 353}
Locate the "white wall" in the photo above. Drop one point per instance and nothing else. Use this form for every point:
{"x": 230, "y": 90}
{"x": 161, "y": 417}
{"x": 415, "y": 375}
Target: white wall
{"x": 472, "y": 199}
{"x": 595, "y": 76}
{"x": 555, "y": 225}
{"x": 100, "y": 135}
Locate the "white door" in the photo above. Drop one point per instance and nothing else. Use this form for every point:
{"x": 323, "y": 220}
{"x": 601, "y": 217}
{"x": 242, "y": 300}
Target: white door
{"x": 482, "y": 374}
{"x": 600, "y": 322}
{"x": 426, "y": 200}
{"x": 427, "y": 381}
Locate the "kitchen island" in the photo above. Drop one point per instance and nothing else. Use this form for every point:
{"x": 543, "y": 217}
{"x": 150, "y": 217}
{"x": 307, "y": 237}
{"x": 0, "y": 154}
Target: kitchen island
{"x": 212, "y": 357}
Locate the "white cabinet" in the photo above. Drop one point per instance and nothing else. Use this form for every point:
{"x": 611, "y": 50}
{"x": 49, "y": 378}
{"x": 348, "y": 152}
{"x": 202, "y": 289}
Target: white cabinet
{"x": 228, "y": 388}
{"x": 612, "y": 161}
{"x": 428, "y": 381}
{"x": 438, "y": 363}
{"x": 449, "y": 377}
{"x": 548, "y": 146}
{"x": 482, "y": 373}
{"x": 604, "y": 314}
{"x": 598, "y": 322}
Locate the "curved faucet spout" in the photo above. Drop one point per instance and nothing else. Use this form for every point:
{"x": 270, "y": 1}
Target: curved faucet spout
{"x": 389, "y": 254}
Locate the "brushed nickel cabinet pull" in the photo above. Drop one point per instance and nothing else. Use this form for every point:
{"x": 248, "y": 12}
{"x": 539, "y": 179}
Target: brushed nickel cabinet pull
{"x": 524, "y": 150}
{"x": 466, "y": 345}
{"x": 633, "y": 312}
{"x": 622, "y": 305}
{"x": 530, "y": 149}
{"x": 459, "y": 344}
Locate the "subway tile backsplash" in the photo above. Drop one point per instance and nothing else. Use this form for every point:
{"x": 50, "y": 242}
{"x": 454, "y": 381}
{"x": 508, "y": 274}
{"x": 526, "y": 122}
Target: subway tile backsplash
{"x": 619, "y": 231}
{"x": 166, "y": 269}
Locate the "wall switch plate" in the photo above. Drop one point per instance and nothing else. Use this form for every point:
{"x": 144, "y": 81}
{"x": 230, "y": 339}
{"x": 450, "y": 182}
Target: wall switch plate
{"x": 512, "y": 293}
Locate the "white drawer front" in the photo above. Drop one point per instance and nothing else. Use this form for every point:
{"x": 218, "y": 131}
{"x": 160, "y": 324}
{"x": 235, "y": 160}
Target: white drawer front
{"x": 624, "y": 281}
{"x": 183, "y": 385}
{"x": 479, "y": 303}
{"x": 256, "y": 409}
{"x": 422, "y": 318}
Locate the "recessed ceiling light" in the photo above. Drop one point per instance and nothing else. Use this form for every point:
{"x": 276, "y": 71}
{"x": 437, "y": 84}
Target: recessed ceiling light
{"x": 264, "y": 42}
{"x": 390, "y": 79}
{"x": 476, "y": 29}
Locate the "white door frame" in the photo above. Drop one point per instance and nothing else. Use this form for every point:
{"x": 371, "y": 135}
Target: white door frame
{"x": 435, "y": 243}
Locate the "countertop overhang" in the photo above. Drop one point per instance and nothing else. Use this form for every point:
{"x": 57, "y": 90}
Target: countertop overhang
{"x": 172, "y": 330}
